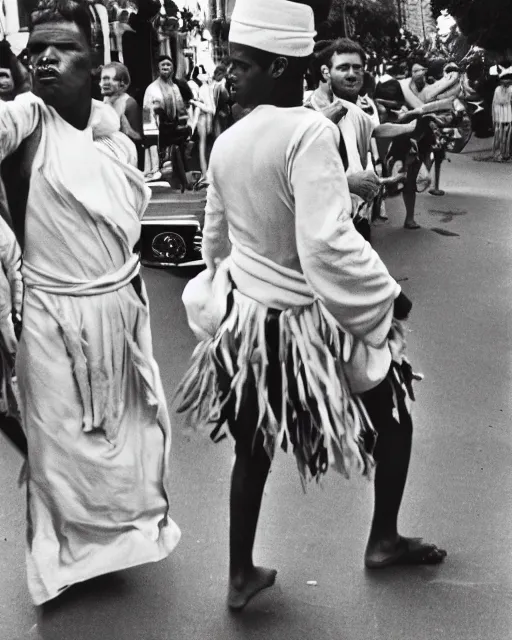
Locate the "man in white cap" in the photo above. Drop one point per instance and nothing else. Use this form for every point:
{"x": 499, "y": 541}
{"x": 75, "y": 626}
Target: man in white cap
{"x": 309, "y": 306}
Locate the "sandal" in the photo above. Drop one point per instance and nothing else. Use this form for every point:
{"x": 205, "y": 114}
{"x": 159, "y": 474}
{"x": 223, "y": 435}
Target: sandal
{"x": 412, "y": 225}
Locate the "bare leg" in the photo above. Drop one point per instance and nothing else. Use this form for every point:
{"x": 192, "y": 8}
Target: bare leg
{"x": 202, "y": 151}
{"x": 392, "y": 455}
{"x": 409, "y": 196}
{"x": 438, "y": 161}
{"x": 248, "y": 480}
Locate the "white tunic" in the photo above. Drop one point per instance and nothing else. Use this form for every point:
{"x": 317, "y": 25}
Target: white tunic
{"x": 277, "y": 184}
{"x": 92, "y": 402}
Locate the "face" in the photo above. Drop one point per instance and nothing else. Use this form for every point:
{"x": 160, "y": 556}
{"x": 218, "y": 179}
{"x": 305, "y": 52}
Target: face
{"x": 251, "y": 84}
{"x": 109, "y": 84}
{"x": 506, "y": 82}
{"x": 165, "y": 69}
{"x": 419, "y": 76}
{"x": 60, "y": 56}
{"x": 346, "y": 75}
{"x": 6, "y": 82}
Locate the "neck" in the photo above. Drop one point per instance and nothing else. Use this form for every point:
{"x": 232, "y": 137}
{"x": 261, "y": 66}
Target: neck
{"x": 324, "y": 88}
{"x": 77, "y": 114}
{"x": 348, "y": 98}
{"x": 288, "y": 96}
{"x": 114, "y": 96}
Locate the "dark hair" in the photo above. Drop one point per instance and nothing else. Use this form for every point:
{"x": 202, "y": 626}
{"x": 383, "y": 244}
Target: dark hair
{"x": 122, "y": 73}
{"x": 435, "y": 67}
{"x": 165, "y": 57}
{"x": 220, "y": 72}
{"x": 321, "y": 56}
{"x": 369, "y": 85}
{"x": 417, "y": 60}
{"x": 63, "y": 11}
{"x": 343, "y": 45}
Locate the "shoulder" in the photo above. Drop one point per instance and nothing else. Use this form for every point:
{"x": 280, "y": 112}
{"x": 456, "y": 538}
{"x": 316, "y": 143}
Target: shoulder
{"x": 131, "y": 104}
{"x": 151, "y": 90}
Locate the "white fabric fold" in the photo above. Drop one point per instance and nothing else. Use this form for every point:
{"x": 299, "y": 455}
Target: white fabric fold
{"x": 51, "y": 282}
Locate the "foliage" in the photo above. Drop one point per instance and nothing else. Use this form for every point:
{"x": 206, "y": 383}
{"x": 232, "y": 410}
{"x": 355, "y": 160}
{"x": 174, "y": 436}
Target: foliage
{"x": 373, "y": 24}
{"x": 486, "y": 23}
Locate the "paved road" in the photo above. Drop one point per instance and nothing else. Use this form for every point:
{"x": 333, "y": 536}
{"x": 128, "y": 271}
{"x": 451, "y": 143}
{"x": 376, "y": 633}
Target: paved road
{"x": 459, "y": 494}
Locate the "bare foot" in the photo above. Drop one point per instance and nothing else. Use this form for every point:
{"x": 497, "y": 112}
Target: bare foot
{"x": 245, "y": 587}
{"x": 404, "y": 551}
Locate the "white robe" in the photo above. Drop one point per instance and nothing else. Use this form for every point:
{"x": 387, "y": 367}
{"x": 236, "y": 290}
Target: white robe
{"x": 92, "y": 402}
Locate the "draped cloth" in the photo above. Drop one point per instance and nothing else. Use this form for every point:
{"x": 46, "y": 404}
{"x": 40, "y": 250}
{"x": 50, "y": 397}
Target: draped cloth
{"x": 11, "y": 295}
{"x": 91, "y": 398}
{"x": 502, "y": 118}
{"x": 169, "y": 98}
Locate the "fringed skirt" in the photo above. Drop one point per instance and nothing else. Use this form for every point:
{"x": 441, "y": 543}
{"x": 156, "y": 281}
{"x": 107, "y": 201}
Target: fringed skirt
{"x": 283, "y": 372}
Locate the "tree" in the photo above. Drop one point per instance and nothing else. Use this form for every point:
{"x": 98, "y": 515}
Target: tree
{"x": 486, "y": 23}
{"x": 373, "y": 24}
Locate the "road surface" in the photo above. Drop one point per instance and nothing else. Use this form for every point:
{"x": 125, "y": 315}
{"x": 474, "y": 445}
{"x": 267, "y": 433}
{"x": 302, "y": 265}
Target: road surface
{"x": 459, "y": 493}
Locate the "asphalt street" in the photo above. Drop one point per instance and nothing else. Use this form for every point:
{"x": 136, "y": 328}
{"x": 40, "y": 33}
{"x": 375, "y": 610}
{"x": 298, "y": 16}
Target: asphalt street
{"x": 459, "y": 493}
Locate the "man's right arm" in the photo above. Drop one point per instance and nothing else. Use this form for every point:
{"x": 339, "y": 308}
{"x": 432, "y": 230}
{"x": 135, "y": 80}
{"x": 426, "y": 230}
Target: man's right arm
{"x": 18, "y": 120}
{"x": 341, "y": 267}
{"x": 134, "y": 118}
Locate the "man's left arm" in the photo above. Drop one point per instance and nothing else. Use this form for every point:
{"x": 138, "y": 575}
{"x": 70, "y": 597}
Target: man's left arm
{"x": 394, "y": 130}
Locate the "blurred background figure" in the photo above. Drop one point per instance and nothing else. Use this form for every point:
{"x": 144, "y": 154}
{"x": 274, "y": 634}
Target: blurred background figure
{"x": 14, "y": 79}
{"x": 502, "y": 117}
{"x": 166, "y": 103}
{"x": 114, "y": 84}
{"x": 213, "y": 114}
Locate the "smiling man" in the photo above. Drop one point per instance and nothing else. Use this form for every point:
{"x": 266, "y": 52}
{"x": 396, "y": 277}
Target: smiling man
{"x": 92, "y": 403}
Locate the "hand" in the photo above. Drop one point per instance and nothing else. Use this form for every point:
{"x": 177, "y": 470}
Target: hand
{"x": 402, "y": 307}
{"x": 335, "y": 111}
{"x": 407, "y": 116}
{"x": 365, "y": 184}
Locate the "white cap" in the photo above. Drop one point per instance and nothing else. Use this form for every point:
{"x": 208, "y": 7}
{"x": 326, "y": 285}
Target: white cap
{"x": 505, "y": 72}
{"x": 276, "y": 26}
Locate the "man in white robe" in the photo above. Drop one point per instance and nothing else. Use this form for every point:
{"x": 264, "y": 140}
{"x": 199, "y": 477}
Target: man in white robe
{"x": 91, "y": 398}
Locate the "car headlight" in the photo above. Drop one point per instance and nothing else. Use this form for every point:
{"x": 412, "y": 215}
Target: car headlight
{"x": 169, "y": 246}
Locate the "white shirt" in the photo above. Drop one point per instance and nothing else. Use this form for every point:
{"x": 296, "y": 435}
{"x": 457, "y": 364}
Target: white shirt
{"x": 278, "y": 186}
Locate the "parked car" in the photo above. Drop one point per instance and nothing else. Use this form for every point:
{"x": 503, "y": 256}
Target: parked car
{"x": 172, "y": 228}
